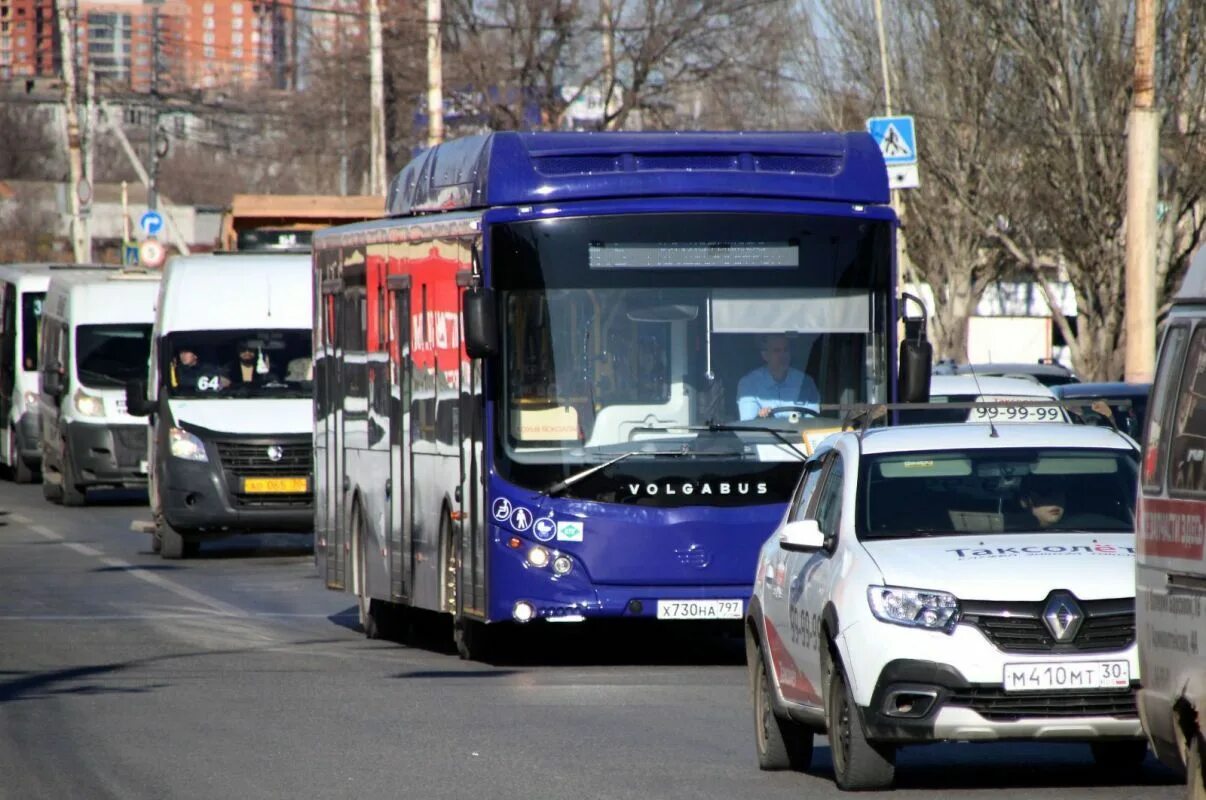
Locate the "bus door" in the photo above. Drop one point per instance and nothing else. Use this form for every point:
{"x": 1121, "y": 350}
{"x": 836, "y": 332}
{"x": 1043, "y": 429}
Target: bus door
{"x": 401, "y": 547}
{"x": 332, "y": 412}
{"x": 471, "y": 593}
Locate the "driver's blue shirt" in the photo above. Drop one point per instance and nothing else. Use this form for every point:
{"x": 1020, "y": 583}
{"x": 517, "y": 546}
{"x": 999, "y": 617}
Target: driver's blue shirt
{"x": 759, "y": 390}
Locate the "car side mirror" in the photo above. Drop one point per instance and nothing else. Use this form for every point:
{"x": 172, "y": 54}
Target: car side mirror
{"x": 136, "y": 399}
{"x": 52, "y": 380}
{"x": 802, "y": 536}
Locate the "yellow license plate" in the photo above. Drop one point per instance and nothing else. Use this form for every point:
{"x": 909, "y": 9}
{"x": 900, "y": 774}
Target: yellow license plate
{"x": 276, "y": 485}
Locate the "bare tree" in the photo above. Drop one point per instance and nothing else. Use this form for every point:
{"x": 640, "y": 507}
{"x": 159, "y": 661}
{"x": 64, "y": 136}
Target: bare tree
{"x": 949, "y": 83}
{"x": 28, "y": 149}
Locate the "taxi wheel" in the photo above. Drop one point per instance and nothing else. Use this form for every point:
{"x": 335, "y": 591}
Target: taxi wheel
{"x": 1121, "y": 756}
{"x": 1195, "y": 781}
{"x": 781, "y": 743}
{"x": 858, "y": 765}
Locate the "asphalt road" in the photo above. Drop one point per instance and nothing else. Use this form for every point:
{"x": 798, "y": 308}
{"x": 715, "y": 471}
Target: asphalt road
{"x": 238, "y": 675}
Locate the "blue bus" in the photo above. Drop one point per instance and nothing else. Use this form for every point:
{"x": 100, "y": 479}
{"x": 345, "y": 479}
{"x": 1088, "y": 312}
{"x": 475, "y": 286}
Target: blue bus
{"x": 573, "y": 375}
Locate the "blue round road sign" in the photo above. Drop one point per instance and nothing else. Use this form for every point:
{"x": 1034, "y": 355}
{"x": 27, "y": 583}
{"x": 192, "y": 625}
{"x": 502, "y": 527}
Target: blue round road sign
{"x": 151, "y": 222}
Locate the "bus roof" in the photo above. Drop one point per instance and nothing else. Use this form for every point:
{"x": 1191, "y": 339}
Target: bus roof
{"x": 1193, "y": 287}
{"x": 510, "y": 168}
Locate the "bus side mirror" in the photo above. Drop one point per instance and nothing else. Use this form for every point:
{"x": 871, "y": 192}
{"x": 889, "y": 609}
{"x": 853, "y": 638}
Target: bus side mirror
{"x": 481, "y": 322}
{"x": 52, "y": 381}
{"x": 916, "y": 358}
{"x": 137, "y": 404}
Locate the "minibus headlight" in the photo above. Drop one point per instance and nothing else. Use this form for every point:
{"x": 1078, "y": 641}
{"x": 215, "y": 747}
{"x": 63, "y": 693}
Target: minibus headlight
{"x": 89, "y": 405}
{"x": 185, "y": 445}
{"x": 31, "y": 398}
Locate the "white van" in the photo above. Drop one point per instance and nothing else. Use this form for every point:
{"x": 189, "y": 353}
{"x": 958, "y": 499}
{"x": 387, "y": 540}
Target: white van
{"x": 22, "y": 294}
{"x": 96, "y": 336}
{"x": 1171, "y": 539}
{"x": 228, "y": 399}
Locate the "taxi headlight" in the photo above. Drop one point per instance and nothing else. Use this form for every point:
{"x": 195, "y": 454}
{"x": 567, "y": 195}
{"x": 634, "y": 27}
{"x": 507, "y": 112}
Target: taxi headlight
{"x": 914, "y": 608}
{"x": 89, "y": 405}
{"x": 185, "y": 445}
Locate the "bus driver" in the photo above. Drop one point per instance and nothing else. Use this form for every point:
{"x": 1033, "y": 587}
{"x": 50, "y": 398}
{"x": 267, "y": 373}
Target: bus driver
{"x": 777, "y": 384}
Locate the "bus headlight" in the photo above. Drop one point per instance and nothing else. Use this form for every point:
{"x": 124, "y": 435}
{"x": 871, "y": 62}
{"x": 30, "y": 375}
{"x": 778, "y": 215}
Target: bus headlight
{"x": 523, "y": 611}
{"x": 89, "y": 405}
{"x": 915, "y": 608}
{"x": 538, "y": 557}
{"x": 185, "y": 445}
{"x": 562, "y": 565}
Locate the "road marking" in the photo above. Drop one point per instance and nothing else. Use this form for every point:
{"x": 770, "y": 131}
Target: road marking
{"x": 180, "y": 590}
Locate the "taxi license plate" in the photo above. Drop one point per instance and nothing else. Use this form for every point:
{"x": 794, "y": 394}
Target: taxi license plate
{"x": 276, "y": 485}
{"x": 1016, "y": 413}
{"x": 699, "y": 609}
{"x": 1067, "y": 675}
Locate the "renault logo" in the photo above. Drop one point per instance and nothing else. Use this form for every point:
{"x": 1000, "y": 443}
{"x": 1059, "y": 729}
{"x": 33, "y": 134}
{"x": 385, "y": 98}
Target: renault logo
{"x": 1063, "y": 616}
{"x": 276, "y": 452}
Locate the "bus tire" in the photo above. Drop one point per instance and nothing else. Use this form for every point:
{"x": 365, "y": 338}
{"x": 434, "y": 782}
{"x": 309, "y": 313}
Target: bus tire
{"x": 21, "y": 472}
{"x": 72, "y": 494}
{"x": 475, "y": 641}
{"x": 369, "y": 611}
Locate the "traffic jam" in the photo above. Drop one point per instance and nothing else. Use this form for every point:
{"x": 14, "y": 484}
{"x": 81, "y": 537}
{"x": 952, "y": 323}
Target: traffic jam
{"x": 498, "y": 418}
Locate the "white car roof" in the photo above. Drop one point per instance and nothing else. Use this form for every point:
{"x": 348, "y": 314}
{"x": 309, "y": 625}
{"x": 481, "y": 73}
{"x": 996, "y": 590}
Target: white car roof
{"x": 979, "y": 436}
{"x": 985, "y": 385}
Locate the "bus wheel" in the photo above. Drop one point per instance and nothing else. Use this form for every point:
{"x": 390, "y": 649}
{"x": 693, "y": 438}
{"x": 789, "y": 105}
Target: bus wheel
{"x": 72, "y": 494}
{"x": 21, "y": 471}
{"x": 474, "y": 640}
{"x": 368, "y": 615}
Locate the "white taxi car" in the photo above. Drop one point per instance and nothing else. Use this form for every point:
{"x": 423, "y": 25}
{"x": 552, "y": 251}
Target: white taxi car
{"x": 998, "y": 399}
{"x": 949, "y": 582}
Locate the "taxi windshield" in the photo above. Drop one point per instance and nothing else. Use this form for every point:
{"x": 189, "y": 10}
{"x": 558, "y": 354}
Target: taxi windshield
{"x": 946, "y": 493}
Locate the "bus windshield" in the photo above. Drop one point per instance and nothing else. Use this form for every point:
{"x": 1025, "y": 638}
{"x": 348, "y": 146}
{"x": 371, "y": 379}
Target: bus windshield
{"x": 31, "y": 329}
{"x": 679, "y": 331}
{"x": 238, "y": 363}
{"x": 106, "y": 356}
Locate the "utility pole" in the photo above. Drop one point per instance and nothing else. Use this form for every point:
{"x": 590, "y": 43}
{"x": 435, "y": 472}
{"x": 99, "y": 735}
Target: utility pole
{"x": 153, "y": 184}
{"x": 609, "y": 63}
{"x": 1142, "y": 161}
{"x": 376, "y": 102}
{"x": 435, "y": 75}
{"x": 897, "y": 199}
{"x": 79, "y": 236}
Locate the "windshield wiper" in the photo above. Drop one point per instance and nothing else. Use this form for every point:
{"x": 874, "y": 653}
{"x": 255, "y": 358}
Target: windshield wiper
{"x": 112, "y": 381}
{"x": 565, "y": 483}
{"x": 721, "y": 427}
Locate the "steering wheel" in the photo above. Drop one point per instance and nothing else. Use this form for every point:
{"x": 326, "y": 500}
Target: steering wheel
{"x": 805, "y": 409}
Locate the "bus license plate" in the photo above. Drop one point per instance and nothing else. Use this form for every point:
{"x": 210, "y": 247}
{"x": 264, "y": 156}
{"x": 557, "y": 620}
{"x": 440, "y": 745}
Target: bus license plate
{"x": 1067, "y": 675}
{"x": 699, "y": 609}
{"x": 275, "y": 485}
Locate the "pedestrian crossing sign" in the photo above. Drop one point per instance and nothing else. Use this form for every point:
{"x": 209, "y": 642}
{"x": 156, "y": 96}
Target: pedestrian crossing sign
{"x": 896, "y": 139}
